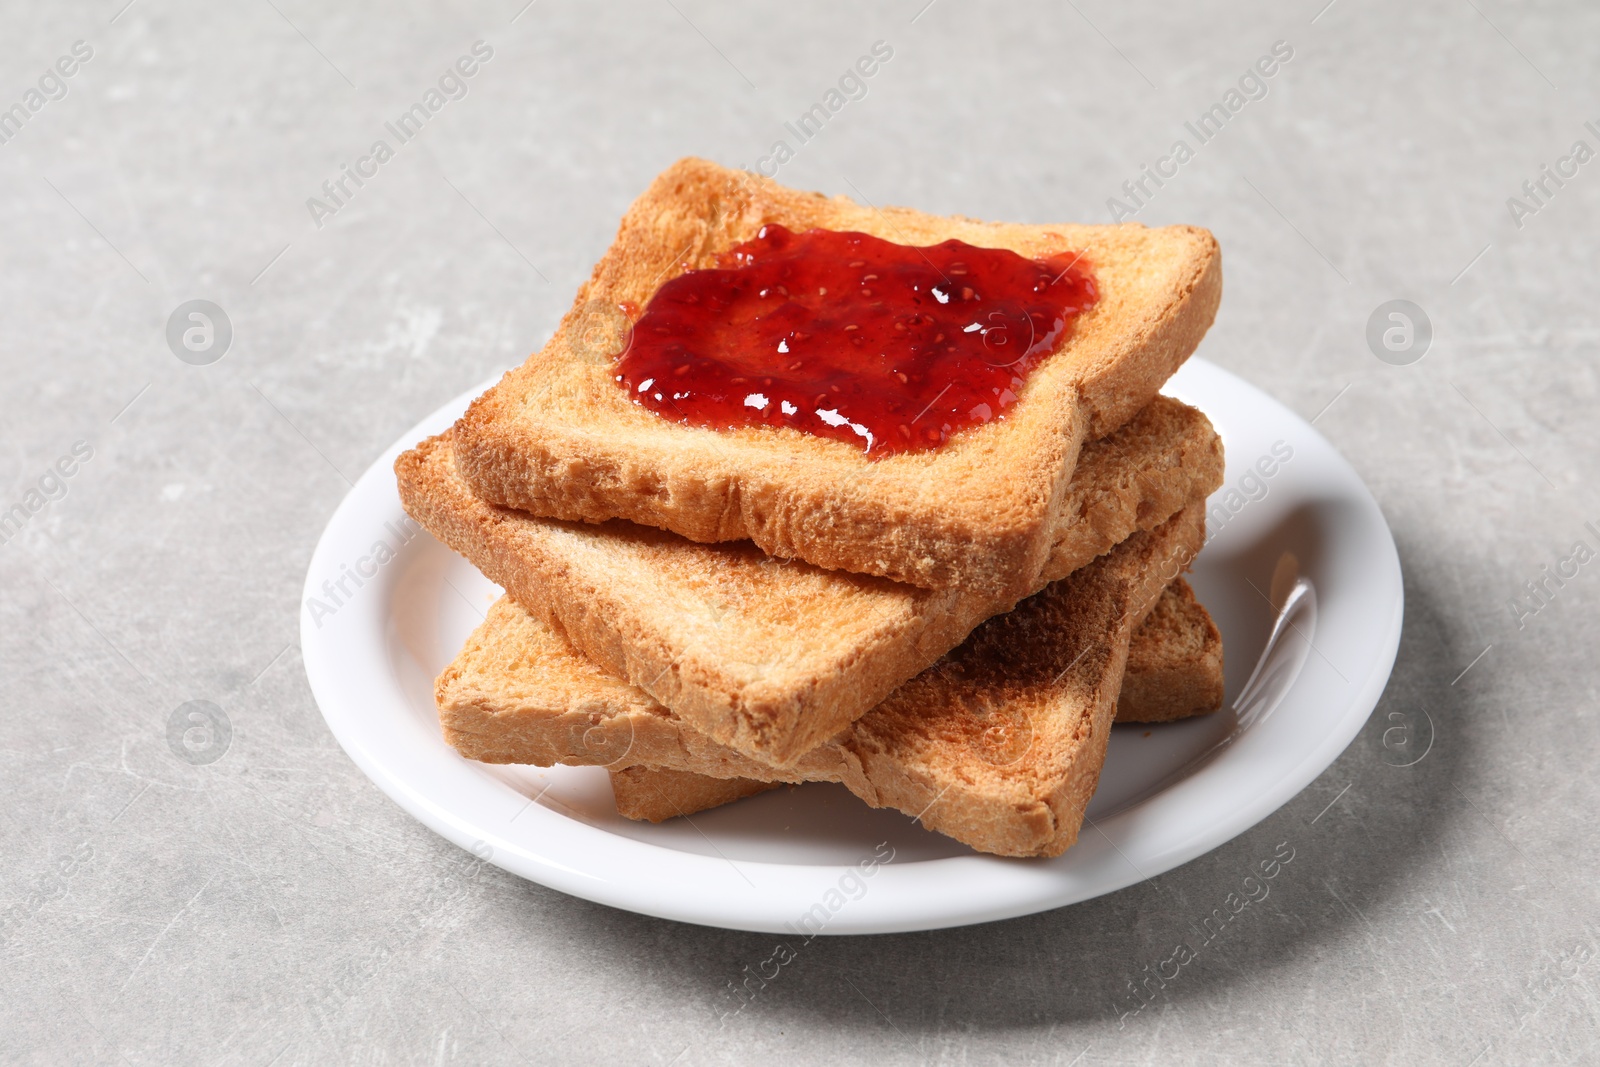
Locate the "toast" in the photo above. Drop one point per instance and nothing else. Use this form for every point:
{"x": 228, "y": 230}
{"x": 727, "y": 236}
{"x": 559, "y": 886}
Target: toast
{"x": 557, "y": 437}
{"x": 652, "y": 794}
{"x": 1174, "y": 672}
{"x": 773, "y": 657}
{"x": 998, "y": 745}
{"x": 1174, "y": 662}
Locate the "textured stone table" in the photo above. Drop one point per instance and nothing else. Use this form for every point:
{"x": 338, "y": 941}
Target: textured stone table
{"x": 271, "y": 906}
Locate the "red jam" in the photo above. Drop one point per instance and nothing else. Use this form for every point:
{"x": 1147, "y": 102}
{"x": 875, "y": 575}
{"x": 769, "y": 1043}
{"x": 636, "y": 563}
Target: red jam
{"x": 843, "y": 335}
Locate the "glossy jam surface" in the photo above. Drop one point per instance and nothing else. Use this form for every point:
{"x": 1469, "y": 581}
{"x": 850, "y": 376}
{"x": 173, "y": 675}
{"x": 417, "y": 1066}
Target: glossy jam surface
{"x": 885, "y": 346}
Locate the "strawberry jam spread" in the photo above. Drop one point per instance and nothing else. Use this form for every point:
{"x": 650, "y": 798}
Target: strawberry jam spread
{"x": 888, "y": 347}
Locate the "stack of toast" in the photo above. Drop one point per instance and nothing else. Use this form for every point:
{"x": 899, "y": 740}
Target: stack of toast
{"x": 711, "y": 611}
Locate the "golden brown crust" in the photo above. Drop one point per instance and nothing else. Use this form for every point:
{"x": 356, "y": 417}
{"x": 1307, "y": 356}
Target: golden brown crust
{"x": 772, "y": 657}
{"x": 1133, "y": 479}
{"x": 1174, "y": 671}
{"x": 1175, "y": 665}
{"x": 557, "y": 438}
{"x": 999, "y": 744}
{"x": 650, "y": 794}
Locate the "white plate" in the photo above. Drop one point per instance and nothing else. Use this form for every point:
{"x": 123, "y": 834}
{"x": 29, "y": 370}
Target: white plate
{"x": 371, "y": 651}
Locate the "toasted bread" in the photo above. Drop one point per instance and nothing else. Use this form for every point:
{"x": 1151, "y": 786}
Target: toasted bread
{"x": 773, "y": 657}
{"x": 998, "y": 745}
{"x": 557, "y": 437}
{"x": 654, "y": 794}
{"x": 1174, "y": 662}
{"x": 1174, "y": 672}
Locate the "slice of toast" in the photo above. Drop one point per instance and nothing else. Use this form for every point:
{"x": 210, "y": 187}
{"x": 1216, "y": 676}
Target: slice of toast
{"x": 769, "y": 656}
{"x": 654, "y": 794}
{"x": 1174, "y": 662}
{"x": 998, "y": 745}
{"x": 1174, "y": 672}
{"x": 558, "y": 437}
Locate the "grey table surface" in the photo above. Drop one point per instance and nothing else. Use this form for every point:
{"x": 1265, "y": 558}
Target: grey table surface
{"x": 272, "y": 906}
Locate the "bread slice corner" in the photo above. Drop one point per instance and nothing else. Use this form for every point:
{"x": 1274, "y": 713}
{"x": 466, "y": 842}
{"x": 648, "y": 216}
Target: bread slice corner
{"x": 1174, "y": 672}
{"x": 1174, "y": 664}
{"x": 651, "y": 794}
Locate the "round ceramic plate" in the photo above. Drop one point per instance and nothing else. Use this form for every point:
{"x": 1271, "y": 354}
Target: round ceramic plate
{"x": 1300, "y": 573}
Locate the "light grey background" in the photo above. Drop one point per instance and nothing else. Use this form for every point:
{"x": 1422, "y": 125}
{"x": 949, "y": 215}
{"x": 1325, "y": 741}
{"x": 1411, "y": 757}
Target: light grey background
{"x": 273, "y": 907}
